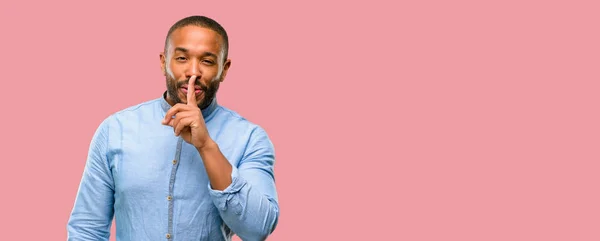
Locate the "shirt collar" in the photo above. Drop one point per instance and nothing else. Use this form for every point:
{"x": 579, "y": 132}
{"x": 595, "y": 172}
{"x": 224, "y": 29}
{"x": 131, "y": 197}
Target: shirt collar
{"x": 205, "y": 112}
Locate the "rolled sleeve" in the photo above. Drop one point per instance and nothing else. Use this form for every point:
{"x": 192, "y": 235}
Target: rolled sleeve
{"x": 222, "y": 198}
{"x": 249, "y": 205}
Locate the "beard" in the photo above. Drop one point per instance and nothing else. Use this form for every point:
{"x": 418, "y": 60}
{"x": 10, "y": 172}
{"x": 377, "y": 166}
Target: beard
{"x": 210, "y": 90}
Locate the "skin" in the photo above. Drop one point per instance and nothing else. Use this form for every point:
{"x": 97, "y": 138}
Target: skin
{"x": 195, "y": 59}
{"x": 194, "y": 50}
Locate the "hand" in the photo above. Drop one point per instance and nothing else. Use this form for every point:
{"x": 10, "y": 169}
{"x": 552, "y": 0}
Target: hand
{"x": 188, "y": 121}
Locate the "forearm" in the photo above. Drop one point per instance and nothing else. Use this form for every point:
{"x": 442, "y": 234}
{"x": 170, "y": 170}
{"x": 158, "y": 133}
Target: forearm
{"x": 245, "y": 193}
{"x": 246, "y": 197}
{"x": 217, "y": 166}
{"x": 84, "y": 224}
{"x": 250, "y": 213}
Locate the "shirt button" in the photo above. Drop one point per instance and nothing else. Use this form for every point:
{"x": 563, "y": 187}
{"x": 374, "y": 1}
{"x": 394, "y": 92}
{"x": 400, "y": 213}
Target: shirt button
{"x": 169, "y": 198}
{"x": 174, "y": 162}
{"x": 168, "y": 236}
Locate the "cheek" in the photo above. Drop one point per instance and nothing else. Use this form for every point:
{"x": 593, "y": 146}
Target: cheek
{"x": 213, "y": 85}
{"x": 169, "y": 71}
{"x": 213, "y": 76}
{"x": 174, "y": 70}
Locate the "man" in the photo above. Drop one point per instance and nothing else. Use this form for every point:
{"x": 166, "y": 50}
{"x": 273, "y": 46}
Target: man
{"x": 179, "y": 167}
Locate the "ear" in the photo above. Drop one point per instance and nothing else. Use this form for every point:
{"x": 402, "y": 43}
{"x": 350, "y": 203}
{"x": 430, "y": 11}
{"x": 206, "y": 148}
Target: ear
{"x": 163, "y": 64}
{"x": 225, "y": 69}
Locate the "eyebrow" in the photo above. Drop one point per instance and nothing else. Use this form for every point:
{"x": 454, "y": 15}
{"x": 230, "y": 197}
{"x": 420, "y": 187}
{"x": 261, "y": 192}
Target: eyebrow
{"x": 206, "y": 53}
{"x": 181, "y": 49}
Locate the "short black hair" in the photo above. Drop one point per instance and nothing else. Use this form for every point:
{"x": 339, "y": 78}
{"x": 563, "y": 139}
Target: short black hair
{"x": 201, "y": 21}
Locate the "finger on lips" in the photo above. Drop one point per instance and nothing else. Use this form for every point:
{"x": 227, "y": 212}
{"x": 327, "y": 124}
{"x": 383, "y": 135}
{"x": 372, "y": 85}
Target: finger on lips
{"x": 178, "y": 109}
{"x": 191, "y": 93}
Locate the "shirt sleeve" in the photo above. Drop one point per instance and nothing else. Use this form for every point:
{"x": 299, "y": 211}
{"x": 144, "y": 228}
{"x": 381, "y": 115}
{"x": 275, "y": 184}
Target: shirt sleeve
{"x": 249, "y": 205}
{"x": 92, "y": 213}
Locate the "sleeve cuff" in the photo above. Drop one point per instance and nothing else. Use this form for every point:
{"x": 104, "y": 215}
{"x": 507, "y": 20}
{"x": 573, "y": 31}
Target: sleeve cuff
{"x": 222, "y": 198}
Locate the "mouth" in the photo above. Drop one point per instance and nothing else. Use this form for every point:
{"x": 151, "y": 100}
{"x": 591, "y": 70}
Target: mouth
{"x": 197, "y": 89}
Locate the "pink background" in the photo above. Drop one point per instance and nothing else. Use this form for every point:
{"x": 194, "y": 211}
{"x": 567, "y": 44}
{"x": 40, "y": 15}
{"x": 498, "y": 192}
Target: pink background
{"x": 436, "y": 120}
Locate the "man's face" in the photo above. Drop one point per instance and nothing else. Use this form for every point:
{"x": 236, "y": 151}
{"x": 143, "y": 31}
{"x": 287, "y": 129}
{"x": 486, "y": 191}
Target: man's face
{"x": 192, "y": 51}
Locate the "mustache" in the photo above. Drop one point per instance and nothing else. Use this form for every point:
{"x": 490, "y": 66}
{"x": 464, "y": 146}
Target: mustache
{"x": 197, "y": 82}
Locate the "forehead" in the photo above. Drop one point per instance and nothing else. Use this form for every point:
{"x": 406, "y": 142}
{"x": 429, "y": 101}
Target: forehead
{"x": 196, "y": 39}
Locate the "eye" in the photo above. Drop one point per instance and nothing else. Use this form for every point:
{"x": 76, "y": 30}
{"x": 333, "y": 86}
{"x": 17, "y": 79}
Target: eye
{"x": 209, "y": 62}
{"x": 180, "y": 59}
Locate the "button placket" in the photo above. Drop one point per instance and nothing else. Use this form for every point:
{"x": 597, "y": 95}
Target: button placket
{"x": 175, "y": 162}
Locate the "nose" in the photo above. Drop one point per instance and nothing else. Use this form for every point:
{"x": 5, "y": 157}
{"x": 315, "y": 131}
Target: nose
{"x": 193, "y": 69}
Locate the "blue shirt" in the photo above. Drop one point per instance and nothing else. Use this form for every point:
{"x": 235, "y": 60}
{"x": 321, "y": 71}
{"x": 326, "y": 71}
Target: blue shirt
{"x": 155, "y": 185}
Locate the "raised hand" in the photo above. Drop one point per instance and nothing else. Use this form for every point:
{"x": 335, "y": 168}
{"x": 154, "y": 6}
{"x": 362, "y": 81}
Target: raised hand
{"x": 188, "y": 122}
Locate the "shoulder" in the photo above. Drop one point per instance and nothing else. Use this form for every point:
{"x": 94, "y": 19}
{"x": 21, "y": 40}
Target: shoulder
{"x": 142, "y": 107}
{"x": 256, "y": 135}
{"x": 130, "y": 113}
{"x": 239, "y": 122}
{"x": 257, "y": 145}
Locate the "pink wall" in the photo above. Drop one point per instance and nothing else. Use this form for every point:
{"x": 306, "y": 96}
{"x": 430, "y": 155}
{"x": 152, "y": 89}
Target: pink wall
{"x": 432, "y": 120}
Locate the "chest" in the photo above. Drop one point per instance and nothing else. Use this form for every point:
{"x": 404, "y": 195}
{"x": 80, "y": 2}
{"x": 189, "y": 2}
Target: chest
{"x": 149, "y": 161}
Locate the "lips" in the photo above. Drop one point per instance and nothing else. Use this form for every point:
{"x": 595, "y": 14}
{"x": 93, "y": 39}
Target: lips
{"x": 197, "y": 87}
{"x": 184, "y": 89}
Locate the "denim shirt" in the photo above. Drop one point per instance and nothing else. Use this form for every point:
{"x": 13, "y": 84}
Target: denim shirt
{"x": 155, "y": 185}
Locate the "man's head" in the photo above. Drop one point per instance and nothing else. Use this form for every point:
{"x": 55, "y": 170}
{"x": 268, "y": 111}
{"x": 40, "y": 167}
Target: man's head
{"x": 195, "y": 45}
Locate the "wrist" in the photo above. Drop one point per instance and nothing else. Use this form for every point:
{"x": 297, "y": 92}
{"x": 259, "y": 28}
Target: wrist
{"x": 208, "y": 146}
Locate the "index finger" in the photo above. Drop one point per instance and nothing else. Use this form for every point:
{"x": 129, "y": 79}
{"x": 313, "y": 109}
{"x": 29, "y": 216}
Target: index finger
{"x": 191, "y": 91}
